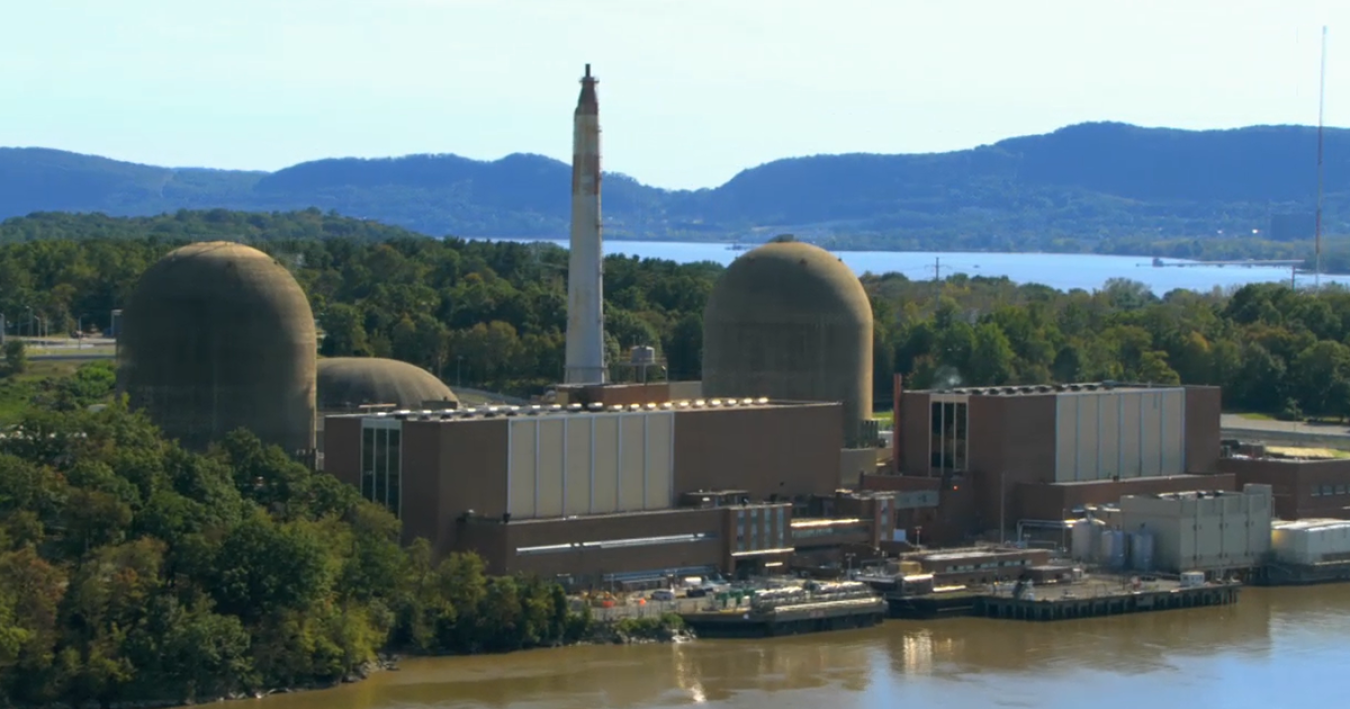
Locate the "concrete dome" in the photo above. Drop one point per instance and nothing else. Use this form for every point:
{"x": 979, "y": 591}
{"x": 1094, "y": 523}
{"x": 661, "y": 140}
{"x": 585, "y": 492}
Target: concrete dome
{"x": 348, "y": 382}
{"x": 788, "y": 320}
{"x": 219, "y": 336}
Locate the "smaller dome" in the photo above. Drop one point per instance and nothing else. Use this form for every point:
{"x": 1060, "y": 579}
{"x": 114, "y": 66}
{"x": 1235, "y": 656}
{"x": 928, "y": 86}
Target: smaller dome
{"x": 348, "y": 382}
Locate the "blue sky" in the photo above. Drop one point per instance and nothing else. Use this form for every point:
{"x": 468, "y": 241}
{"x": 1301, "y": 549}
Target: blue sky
{"x": 691, "y": 91}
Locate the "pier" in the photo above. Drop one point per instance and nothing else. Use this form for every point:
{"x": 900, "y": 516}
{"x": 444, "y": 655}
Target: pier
{"x": 792, "y": 611}
{"x": 1249, "y": 263}
{"x": 1086, "y": 598}
{"x": 1156, "y": 596}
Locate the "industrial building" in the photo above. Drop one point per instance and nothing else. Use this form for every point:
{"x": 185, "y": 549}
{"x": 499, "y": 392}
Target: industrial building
{"x": 612, "y": 492}
{"x": 1307, "y": 484}
{"x": 970, "y": 460}
{"x": 219, "y": 336}
{"x": 1203, "y": 530}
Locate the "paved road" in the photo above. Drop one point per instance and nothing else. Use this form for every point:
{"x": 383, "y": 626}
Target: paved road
{"x": 1235, "y": 422}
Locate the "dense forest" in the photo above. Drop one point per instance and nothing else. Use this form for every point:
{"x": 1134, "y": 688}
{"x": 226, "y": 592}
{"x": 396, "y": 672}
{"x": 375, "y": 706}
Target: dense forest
{"x": 132, "y": 570}
{"x": 492, "y": 314}
{"x": 1099, "y": 187}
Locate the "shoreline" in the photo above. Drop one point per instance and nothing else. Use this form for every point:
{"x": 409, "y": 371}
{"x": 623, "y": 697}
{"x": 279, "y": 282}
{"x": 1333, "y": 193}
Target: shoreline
{"x": 605, "y": 633}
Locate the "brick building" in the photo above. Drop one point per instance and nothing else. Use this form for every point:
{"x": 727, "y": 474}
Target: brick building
{"x": 611, "y": 491}
{"x": 971, "y": 460}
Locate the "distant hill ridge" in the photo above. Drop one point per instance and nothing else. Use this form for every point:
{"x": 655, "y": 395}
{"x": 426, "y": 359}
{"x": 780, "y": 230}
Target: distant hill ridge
{"x": 1072, "y": 189}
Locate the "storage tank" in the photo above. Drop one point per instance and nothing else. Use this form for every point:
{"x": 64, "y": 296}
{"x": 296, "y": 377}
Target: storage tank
{"x": 789, "y": 320}
{"x": 1113, "y": 549}
{"x": 1085, "y": 539}
{"x": 1141, "y": 551}
{"x": 219, "y": 336}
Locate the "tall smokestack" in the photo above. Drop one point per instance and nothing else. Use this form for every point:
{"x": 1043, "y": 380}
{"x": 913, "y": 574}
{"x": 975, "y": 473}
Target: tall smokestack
{"x": 585, "y": 274}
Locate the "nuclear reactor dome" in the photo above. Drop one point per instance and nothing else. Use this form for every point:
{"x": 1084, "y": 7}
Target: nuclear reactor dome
{"x": 788, "y": 320}
{"x": 219, "y": 336}
{"x": 348, "y": 382}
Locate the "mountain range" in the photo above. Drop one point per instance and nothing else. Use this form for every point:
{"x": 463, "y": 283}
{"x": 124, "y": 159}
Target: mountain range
{"x": 1092, "y": 186}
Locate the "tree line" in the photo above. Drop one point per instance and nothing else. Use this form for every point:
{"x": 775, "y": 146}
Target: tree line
{"x": 132, "y": 570}
{"x": 493, "y": 314}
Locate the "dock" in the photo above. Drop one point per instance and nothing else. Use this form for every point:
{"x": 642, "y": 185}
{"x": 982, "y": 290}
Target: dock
{"x": 1069, "y": 604}
{"x": 1086, "y": 598}
{"x": 793, "y": 611}
{"x": 788, "y": 620}
{"x": 1278, "y": 574}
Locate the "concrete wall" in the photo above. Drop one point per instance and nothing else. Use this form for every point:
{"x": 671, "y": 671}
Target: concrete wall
{"x": 1204, "y": 406}
{"x": 1051, "y": 500}
{"x": 594, "y": 464}
{"x": 786, "y": 451}
{"x": 1130, "y": 433}
{"x": 499, "y": 544}
{"x": 1203, "y": 531}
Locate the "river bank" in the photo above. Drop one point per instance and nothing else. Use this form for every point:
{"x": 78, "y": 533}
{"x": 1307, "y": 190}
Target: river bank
{"x": 665, "y": 629}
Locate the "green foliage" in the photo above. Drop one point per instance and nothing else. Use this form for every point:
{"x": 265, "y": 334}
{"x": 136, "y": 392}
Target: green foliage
{"x": 131, "y": 570}
{"x": 16, "y": 357}
{"x": 489, "y": 314}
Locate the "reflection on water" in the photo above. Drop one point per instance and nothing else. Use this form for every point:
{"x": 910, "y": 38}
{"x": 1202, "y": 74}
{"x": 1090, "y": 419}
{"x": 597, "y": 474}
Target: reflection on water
{"x": 1274, "y": 648}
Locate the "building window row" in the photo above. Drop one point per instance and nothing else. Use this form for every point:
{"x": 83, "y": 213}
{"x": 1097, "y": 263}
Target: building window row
{"x": 815, "y": 532}
{"x": 1330, "y": 490}
{"x": 382, "y": 467}
{"x": 756, "y": 532}
{"x": 616, "y": 544}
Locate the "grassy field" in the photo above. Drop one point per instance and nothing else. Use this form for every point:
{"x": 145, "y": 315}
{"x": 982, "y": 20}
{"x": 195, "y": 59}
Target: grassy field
{"x": 16, "y": 392}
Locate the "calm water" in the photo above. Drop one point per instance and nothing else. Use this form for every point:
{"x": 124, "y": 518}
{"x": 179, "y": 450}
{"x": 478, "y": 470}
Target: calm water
{"x": 1275, "y": 648}
{"x": 1062, "y": 271}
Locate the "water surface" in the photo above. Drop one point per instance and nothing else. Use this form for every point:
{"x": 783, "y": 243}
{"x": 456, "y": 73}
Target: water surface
{"x": 1274, "y": 648}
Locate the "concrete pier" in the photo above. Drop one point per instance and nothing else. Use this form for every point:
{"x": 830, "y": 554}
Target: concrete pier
{"x": 788, "y": 620}
{"x": 1069, "y": 606}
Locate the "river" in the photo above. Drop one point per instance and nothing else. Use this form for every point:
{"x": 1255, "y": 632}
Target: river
{"x": 1274, "y": 648}
{"x": 1061, "y": 271}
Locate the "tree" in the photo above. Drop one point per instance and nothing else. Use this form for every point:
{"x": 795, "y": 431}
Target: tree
{"x": 16, "y": 357}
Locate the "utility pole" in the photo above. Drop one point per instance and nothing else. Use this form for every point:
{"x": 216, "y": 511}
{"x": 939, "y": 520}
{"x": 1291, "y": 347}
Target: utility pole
{"x": 937, "y": 270}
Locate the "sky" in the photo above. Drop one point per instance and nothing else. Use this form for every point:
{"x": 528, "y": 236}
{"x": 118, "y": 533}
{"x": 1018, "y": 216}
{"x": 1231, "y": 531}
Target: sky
{"x": 691, "y": 91}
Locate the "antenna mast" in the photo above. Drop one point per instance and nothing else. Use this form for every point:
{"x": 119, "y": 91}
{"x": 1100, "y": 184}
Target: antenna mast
{"x": 1321, "y": 105}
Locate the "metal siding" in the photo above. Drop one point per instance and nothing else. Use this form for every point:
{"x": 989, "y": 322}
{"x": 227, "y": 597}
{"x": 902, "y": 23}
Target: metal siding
{"x": 1066, "y": 438}
{"x": 520, "y": 469}
{"x": 1150, "y": 435}
{"x": 1087, "y": 438}
{"x": 1109, "y": 443}
{"x": 1174, "y": 432}
{"x": 660, "y": 468}
{"x": 631, "y": 463}
{"x": 577, "y": 494}
{"x": 606, "y": 463}
{"x": 1131, "y": 432}
{"x": 551, "y": 449}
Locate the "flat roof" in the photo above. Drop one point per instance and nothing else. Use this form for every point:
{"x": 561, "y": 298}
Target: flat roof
{"x": 1050, "y": 389}
{"x": 594, "y": 409}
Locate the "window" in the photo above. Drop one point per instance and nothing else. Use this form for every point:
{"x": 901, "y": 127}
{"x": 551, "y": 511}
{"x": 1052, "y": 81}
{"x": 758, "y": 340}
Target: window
{"x": 382, "y": 467}
{"x": 948, "y": 448}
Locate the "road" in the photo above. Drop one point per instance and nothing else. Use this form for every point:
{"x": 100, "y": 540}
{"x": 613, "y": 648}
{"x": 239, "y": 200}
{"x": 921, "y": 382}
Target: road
{"x": 1297, "y": 433}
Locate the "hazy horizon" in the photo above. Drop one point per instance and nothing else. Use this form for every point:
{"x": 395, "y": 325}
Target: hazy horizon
{"x": 690, "y": 94}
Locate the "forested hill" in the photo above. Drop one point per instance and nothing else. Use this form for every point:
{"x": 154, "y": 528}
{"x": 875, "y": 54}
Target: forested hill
{"x": 1089, "y": 187}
